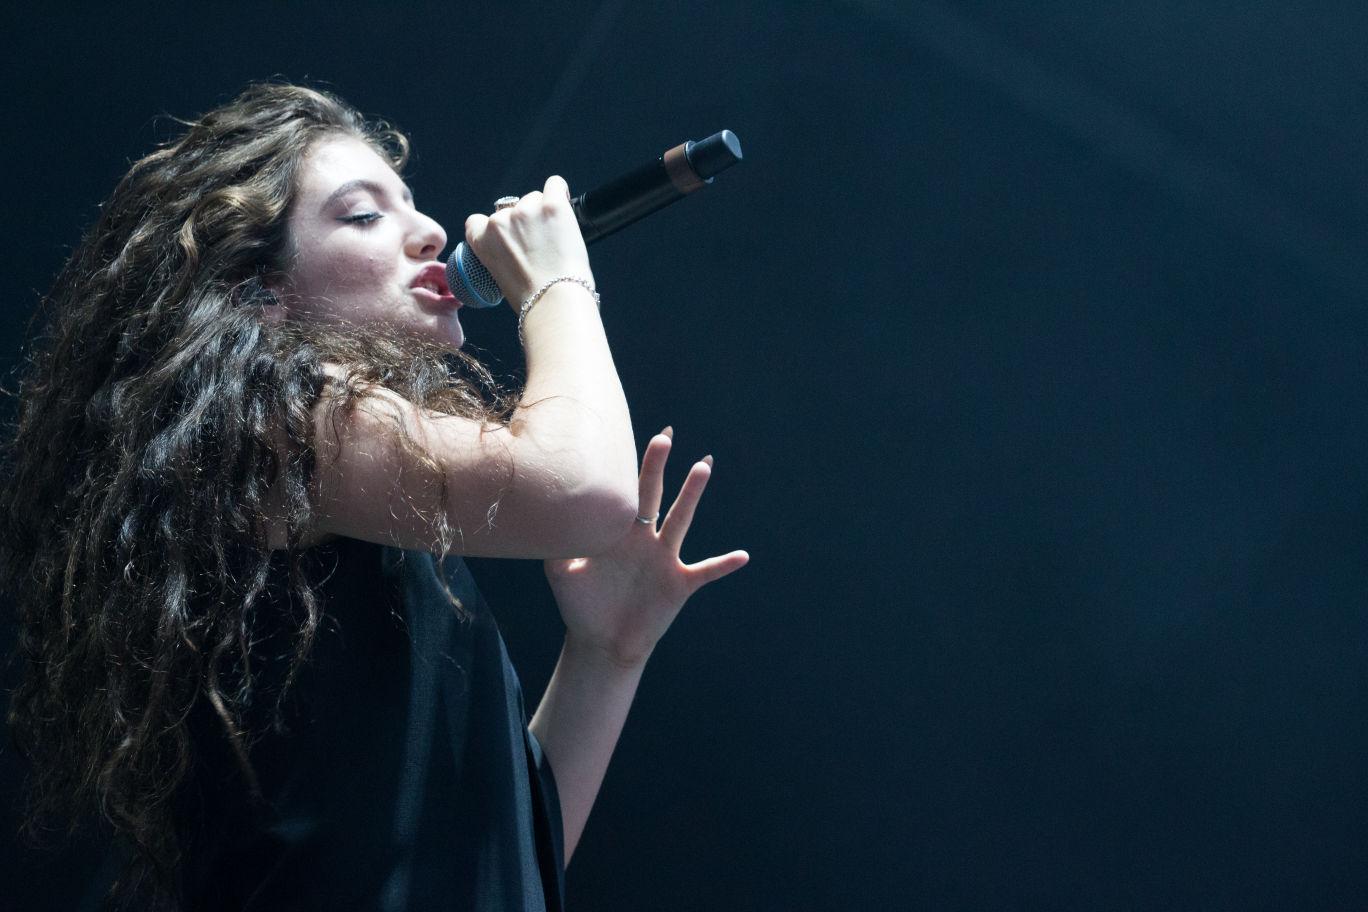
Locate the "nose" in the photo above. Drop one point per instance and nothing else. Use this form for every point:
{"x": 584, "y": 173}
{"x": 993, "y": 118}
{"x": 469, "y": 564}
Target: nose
{"x": 427, "y": 239}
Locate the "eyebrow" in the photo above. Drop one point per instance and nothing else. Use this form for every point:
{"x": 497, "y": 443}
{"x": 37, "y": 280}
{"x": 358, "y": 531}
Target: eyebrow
{"x": 362, "y": 184}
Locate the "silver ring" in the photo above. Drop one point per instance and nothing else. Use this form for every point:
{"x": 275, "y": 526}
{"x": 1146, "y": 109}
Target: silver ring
{"x": 648, "y": 520}
{"x": 504, "y": 202}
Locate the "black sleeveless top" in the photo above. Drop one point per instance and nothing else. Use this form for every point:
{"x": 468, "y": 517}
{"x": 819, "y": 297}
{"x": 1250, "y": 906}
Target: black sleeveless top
{"x": 407, "y": 779}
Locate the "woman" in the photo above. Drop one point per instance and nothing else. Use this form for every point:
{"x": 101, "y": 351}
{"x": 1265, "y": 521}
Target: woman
{"x": 249, "y": 455}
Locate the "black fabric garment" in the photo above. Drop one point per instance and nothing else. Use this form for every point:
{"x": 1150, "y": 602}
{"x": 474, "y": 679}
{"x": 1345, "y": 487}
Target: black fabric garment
{"x": 408, "y": 779}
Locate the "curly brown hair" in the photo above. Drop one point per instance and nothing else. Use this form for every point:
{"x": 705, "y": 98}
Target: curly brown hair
{"x": 131, "y": 511}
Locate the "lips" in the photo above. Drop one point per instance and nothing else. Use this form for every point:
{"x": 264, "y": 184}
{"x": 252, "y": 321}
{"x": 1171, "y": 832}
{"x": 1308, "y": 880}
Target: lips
{"x": 432, "y": 279}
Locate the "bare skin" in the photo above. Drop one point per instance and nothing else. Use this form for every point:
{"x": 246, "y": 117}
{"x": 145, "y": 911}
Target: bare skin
{"x": 359, "y": 247}
{"x": 616, "y": 607}
{"x": 563, "y": 472}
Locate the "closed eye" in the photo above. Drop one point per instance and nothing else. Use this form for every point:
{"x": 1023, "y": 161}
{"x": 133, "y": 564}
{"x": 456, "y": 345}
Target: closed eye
{"x": 362, "y": 217}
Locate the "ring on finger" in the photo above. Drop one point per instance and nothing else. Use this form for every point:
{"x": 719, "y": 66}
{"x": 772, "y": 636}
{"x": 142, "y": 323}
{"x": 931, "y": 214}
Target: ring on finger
{"x": 504, "y": 202}
{"x": 648, "y": 520}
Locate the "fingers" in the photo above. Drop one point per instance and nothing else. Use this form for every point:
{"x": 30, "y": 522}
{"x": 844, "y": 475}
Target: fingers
{"x": 556, "y": 187}
{"x": 552, "y": 193}
{"x": 681, "y": 514}
{"x": 553, "y": 196}
{"x": 714, "y": 568}
{"x": 502, "y": 217}
{"x": 529, "y": 243}
{"x": 475, "y": 227}
{"x": 526, "y": 204}
{"x": 651, "y": 485}
{"x": 677, "y": 522}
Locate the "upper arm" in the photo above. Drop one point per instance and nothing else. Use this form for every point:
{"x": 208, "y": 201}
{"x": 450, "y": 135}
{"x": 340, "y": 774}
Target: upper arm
{"x": 533, "y": 493}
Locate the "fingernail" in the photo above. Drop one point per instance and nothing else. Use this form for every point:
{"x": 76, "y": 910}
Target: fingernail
{"x": 668, "y": 432}
{"x": 709, "y": 460}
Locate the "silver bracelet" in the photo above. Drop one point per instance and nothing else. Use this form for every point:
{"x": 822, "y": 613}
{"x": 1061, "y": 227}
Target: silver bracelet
{"x": 536, "y": 296}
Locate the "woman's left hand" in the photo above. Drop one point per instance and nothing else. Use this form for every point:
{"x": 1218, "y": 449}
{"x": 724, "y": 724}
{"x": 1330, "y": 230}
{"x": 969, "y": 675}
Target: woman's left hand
{"x": 621, "y": 602}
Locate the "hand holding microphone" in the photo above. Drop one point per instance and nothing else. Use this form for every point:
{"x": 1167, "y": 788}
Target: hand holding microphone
{"x": 526, "y": 243}
{"x": 541, "y": 217}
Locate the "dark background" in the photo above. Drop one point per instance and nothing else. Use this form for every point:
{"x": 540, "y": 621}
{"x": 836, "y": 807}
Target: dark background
{"x": 1030, "y": 341}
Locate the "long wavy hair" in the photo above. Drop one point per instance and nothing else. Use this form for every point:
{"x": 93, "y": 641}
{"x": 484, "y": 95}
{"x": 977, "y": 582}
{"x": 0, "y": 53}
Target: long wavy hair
{"x": 152, "y": 402}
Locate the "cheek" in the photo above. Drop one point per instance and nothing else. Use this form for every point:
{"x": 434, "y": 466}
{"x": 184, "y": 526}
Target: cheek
{"x": 334, "y": 269}
{"x": 359, "y": 272}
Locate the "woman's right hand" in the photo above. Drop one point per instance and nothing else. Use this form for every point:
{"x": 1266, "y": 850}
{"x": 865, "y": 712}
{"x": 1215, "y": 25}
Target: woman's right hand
{"x": 527, "y": 245}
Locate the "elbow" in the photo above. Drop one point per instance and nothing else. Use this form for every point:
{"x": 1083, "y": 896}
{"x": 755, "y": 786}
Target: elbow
{"x": 598, "y": 517}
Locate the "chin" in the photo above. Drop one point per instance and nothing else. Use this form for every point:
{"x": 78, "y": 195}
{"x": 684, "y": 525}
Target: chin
{"x": 451, "y": 337}
{"x": 455, "y": 338}
{"x": 445, "y": 331}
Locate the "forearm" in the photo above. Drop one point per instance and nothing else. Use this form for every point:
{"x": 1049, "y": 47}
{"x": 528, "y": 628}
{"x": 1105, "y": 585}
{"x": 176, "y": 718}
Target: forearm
{"x": 578, "y": 724}
{"x": 573, "y": 405}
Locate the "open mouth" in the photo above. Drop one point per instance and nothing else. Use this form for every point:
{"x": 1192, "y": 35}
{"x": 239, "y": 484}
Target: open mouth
{"x": 432, "y": 281}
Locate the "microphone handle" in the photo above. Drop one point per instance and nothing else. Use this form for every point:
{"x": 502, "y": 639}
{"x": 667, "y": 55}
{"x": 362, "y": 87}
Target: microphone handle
{"x": 680, "y": 171}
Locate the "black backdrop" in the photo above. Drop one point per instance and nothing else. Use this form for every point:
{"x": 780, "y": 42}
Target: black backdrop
{"x": 1030, "y": 343}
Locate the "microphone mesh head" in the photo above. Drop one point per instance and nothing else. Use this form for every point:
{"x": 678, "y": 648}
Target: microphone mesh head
{"x": 469, "y": 281}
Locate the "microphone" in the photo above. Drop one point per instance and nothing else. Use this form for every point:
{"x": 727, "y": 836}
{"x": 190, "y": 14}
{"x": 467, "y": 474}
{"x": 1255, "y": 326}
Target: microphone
{"x": 613, "y": 206}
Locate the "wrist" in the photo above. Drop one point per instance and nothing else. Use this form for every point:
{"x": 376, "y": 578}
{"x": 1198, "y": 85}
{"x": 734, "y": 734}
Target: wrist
{"x": 611, "y": 658}
{"x": 560, "y": 286}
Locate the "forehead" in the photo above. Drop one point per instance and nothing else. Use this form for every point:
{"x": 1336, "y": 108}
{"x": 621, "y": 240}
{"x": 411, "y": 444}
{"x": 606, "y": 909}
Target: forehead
{"x": 337, "y": 160}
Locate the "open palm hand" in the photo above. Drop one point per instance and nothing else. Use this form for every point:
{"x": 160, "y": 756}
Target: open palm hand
{"x": 622, "y": 601}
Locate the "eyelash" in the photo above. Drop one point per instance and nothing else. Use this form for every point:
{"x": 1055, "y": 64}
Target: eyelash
{"x": 363, "y": 218}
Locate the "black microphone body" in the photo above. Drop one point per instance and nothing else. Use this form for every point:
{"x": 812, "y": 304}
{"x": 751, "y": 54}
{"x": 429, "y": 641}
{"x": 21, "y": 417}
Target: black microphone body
{"x": 613, "y": 206}
{"x": 616, "y": 205}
